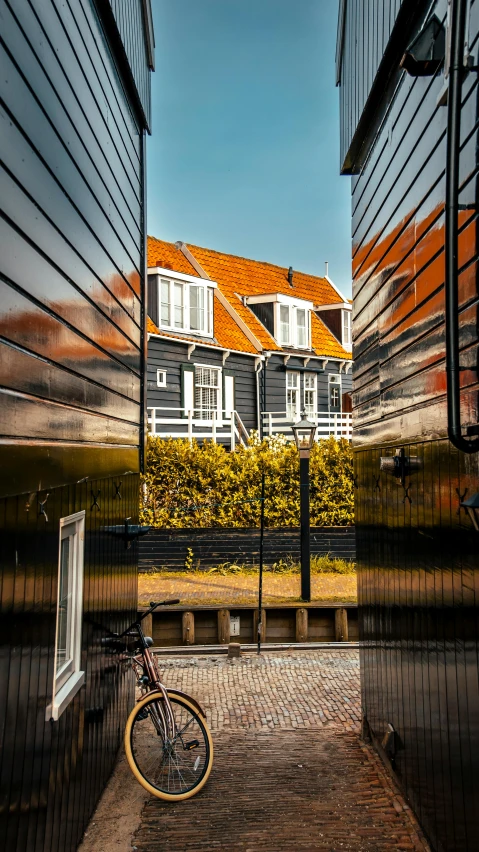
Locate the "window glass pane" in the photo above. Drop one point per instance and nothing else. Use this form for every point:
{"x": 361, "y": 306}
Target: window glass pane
{"x": 347, "y": 327}
{"x": 310, "y": 394}
{"x": 292, "y": 380}
{"x": 178, "y": 305}
{"x": 197, "y": 308}
{"x": 301, "y": 327}
{"x": 64, "y": 605}
{"x": 165, "y": 302}
{"x": 207, "y": 382}
{"x": 284, "y": 324}
{"x": 210, "y": 311}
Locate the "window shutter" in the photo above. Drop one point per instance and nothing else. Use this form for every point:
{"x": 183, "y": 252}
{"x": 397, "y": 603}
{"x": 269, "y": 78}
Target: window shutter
{"x": 153, "y": 299}
{"x": 228, "y": 393}
{"x": 187, "y": 389}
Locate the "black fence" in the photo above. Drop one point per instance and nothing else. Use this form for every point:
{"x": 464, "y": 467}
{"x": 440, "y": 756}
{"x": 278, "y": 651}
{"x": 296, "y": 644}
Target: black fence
{"x": 173, "y": 549}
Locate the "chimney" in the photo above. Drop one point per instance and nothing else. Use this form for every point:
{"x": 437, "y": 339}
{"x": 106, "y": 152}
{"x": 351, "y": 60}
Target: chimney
{"x": 326, "y": 268}
{"x": 290, "y": 276}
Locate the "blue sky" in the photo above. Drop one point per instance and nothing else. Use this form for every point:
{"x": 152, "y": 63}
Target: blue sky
{"x": 244, "y": 156}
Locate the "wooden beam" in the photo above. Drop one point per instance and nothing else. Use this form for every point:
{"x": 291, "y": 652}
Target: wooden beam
{"x": 188, "y": 625}
{"x": 263, "y": 625}
{"x": 223, "y": 626}
{"x": 341, "y": 625}
{"x": 147, "y": 625}
{"x": 301, "y": 625}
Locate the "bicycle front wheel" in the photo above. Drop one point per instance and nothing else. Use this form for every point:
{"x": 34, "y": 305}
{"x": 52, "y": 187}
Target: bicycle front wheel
{"x": 171, "y": 768}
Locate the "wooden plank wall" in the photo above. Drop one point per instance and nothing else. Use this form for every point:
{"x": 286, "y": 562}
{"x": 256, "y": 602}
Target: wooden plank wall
{"x": 71, "y": 244}
{"x": 417, "y": 552}
{"x": 52, "y": 773}
{"x": 367, "y": 27}
{"x": 169, "y": 548}
{"x": 274, "y": 381}
{"x": 130, "y": 20}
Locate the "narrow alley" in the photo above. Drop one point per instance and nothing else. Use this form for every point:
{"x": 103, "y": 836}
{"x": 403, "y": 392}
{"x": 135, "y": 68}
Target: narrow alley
{"x": 290, "y": 771}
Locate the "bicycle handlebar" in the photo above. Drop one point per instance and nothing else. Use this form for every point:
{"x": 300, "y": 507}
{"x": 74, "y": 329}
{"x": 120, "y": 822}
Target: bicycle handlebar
{"x": 153, "y": 606}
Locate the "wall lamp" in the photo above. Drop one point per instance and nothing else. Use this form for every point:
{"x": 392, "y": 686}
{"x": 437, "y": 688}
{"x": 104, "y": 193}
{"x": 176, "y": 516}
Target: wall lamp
{"x": 126, "y": 531}
{"x": 472, "y": 508}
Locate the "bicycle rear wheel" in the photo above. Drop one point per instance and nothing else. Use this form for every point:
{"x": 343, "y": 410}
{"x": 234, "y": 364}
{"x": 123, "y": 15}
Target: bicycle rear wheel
{"x": 170, "y": 768}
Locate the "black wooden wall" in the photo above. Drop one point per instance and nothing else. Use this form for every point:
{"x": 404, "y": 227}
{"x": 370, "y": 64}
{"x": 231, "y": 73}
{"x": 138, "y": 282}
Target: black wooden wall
{"x": 416, "y": 549}
{"x": 168, "y": 355}
{"x": 274, "y": 380}
{"x": 72, "y": 260}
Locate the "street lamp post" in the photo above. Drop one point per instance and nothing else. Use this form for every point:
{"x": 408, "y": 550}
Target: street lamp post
{"x": 304, "y": 433}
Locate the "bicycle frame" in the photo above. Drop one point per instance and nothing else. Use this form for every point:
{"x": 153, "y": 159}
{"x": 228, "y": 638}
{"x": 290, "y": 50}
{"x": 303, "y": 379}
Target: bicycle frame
{"x": 165, "y": 723}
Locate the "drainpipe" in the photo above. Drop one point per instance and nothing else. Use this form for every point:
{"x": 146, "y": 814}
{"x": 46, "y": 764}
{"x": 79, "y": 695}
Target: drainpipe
{"x": 259, "y": 367}
{"x": 453, "y": 369}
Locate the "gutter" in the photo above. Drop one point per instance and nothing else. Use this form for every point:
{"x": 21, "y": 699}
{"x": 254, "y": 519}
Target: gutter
{"x": 199, "y": 344}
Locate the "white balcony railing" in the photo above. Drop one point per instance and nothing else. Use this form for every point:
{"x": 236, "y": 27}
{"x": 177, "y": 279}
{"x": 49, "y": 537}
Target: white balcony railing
{"x": 339, "y": 425}
{"x": 166, "y": 422}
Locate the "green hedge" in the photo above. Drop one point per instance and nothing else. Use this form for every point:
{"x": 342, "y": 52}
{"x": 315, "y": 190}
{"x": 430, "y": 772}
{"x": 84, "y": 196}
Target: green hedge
{"x": 193, "y": 485}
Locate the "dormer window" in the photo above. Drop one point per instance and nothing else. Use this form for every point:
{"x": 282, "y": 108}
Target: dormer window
{"x": 177, "y": 302}
{"x": 286, "y": 318}
{"x": 338, "y": 319}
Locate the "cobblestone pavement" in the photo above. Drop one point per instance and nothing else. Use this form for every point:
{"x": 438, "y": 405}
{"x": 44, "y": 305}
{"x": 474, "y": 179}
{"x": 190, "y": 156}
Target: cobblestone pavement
{"x": 290, "y": 771}
{"x": 202, "y": 588}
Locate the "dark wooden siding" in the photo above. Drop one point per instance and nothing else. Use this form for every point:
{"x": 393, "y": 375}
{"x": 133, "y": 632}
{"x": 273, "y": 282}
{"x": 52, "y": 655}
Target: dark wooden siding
{"x": 132, "y": 19}
{"x": 169, "y": 548}
{"x": 52, "y": 773}
{"x": 168, "y": 355}
{"x": 274, "y": 381}
{"x": 417, "y": 554}
{"x": 372, "y": 37}
{"x": 71, "y": 248}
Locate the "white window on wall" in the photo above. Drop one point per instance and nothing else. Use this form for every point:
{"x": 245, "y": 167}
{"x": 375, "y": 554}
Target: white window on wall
{"x": 292, "y": 396}
{"x": 186, "y": 307}
{"x": 301, "y": 327}
{"x": 161, "y": 378}
{"x": 347, "y": 337}
{"x": 335, "y": 393}
{"x": 310, "y": 394}
{"x": 207, "y": 392}
{"x": 284, "y": 324}
{"x": 68, "y": 676}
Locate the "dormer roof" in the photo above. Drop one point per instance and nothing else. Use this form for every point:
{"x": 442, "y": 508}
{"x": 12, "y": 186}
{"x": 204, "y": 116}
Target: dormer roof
{"x": 236, "y": 326}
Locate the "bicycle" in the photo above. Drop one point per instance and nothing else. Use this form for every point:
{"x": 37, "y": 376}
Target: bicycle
{"x": 168, "y": 743}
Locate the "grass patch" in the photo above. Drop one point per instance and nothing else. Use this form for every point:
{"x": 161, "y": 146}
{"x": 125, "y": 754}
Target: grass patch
{"x": 319, "y": 565}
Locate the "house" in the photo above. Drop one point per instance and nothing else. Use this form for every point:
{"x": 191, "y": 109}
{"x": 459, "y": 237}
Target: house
{"x": 75, "y": 90}
{"x": 407, "y": 73}
{"x": 236, "y": 344}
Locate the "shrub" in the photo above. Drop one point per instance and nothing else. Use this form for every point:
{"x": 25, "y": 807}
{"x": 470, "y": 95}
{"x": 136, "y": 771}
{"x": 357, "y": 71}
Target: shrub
{"x": 193, "y": 485}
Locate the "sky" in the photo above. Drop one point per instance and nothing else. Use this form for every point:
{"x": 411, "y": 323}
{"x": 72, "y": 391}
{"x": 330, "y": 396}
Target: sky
{"x": 244, "y": 152}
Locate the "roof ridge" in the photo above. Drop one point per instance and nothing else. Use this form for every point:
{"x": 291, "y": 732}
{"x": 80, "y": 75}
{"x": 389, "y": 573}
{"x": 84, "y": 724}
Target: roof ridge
{"x": 264, "y": 262}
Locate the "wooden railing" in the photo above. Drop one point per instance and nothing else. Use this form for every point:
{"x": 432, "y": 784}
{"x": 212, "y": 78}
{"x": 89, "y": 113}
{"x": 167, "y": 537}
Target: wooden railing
{"x": 339, "y": 425}
{"x": 168, "y": 422}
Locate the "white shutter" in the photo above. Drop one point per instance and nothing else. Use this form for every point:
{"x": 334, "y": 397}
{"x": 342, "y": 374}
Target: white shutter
{"x": 188, "y": 391}
{"x": 229, "y": 403}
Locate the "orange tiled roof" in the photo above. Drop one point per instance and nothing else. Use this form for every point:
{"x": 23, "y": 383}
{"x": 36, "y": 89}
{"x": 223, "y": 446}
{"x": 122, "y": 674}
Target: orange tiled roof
{"x": 228, "y": 334}
{"x": 240, "y": 276}
{"x": 168, "y": 256}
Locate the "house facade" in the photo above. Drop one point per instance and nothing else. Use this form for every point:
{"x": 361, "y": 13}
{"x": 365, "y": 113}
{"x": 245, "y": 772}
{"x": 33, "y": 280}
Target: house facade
{"x": 75, "y": 90}
{"x": 407, "y": 73}
{"x": 236, "y": 344}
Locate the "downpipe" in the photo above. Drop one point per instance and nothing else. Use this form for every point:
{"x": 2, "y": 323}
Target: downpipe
{"x": 453, "y": 369}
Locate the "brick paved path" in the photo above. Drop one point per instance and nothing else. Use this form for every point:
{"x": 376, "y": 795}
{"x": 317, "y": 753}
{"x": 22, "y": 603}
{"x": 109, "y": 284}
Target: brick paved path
{"x": 290, "y": 771}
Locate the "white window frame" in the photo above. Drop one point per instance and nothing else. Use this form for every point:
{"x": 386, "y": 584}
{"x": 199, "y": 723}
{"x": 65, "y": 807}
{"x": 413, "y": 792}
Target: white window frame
{"x": 206, "y": 296}
{"x": 314, "y": 390}
{"x": 219, "y": 399}
{"x": 346, "y": 320}
{"x": 69, "y": 678}
{"x": 335, "y": 380}
{"x": 161, "y": 378}
{"x": 293, "y": 414}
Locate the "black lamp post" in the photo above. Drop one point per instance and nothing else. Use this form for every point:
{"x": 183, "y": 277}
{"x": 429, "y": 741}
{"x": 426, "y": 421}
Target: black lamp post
{"x": 304, "y": 433}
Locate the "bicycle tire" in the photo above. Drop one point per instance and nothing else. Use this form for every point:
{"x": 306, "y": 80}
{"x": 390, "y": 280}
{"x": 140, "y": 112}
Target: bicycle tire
{"x": 170, "y": 771}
